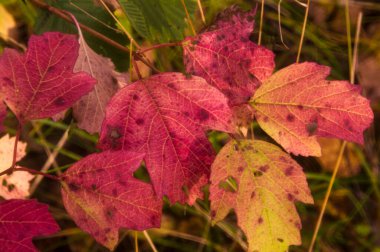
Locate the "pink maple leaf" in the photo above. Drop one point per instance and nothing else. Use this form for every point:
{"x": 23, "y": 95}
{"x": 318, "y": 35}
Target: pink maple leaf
{"x": 21, "y": 221}
{"x": 41, "y": 82}
{"x": 165, "y": 117}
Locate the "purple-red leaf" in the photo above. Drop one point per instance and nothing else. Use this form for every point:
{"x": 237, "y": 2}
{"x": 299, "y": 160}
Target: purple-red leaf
{"x": 101, "y": 195}
{"x": 227, "y": 59}
{"x": 165, "y": 117}
{"x": 297, "y": 104}
{"x": 262, "y": 183}
{"x": 21, "y": 221}
{"x": 41, "y": 82}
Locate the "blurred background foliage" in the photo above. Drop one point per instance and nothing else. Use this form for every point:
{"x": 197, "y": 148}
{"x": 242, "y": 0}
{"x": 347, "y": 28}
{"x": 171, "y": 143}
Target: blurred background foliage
{"x": 352, "y": 219}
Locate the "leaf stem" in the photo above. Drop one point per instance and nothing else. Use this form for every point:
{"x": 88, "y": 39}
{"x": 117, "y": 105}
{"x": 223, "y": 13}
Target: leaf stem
{"x": 201, "y": 11}
{"x": 327, "y": 196}
{"x": 18, "y": 133}
{"x": 136, "y": 242}
{"x": 153, "y": 247}
{"x": 303, "y": 31}
{"x": 21, "y": 168}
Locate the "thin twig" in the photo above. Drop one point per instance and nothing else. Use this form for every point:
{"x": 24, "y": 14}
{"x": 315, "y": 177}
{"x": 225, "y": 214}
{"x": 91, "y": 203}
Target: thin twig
{"x": 51, "y": 159}
{"x": 153, "y": 247}
{"x": 261, "y": 21}
{"x": 279, "y": 23}
{"x": 136, "y": 242}
{"x": 303, "y": 31}
{"x": 348, "y": 29}
{"x": 320, "y": 217}
{"x": 188, "y": 17}
{"x": 357, "y": 37}
{"x": 160, "y": 46}
{"x": 201, "y": 11}
{"x": 120, "y": 24}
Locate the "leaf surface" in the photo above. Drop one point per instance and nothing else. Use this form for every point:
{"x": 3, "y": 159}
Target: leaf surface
{"x": 3, "y": 115}
{"x": 90, "y": 109}
{"x": 16, "y": 185}
{"x": 165, "y": 117}
{"x": 268, "y": 182}
{"x": 101, "y": 195}
{"x": 21, "y": 221}
{"x": 297, "y": 104}
{"x": 226, "y": 58}
{"x": 41, "y": 82}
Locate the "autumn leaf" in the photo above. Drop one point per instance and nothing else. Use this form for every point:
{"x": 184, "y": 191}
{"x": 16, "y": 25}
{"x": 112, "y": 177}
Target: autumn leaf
{"x": 41, "y": 82}
{"x": 296, "y": 105}
{"x": 15, "y": 185}
{"x": 226, "y": 58}
{"x": 262, "y": 183}
{"x": 90, "y": 109}
{"x": 165, "y": 116}
{"x": 101, "y": 195}
{"x": 21, "y": 221}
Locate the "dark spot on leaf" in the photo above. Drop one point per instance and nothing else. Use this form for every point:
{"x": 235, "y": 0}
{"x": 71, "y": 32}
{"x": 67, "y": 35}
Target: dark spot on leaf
{"x": 300, "y": 107}
{"x": 4, "y": 182}
{"x": 236, "y": 147}
{"x": 135, "y": 97}
{"x": 213, "y": 214}
{"x": 123, "y": 183}
{"x": 7, "y": 81}
{"x": 109, "y": 213}
{"x": 311, "y": 128}
{"x": 203, "y": 115}
{"x": 243, "y": 39}
{"x": 253, "y": 195}
{"x": 290, "y": 197}
{"x": 296, "y": 192}
{"x": 11, "y": 187}
{"x": 140, "y": 121}
{"x": 74, "y": 187}
{"x": 290, "y": 118}
{"x": 240, "y": 168}
{"x": 280, "y": 240}
{"x": 60, "y": 101}
{"x": 265, "y": 119}
{"x": 298, "y": 225}
{"x": 186, "y": 113}
{"x": 264, "y": 168}
{"x": 289, "y": 171}
{"x": 114, "y": 192}
{"x": 93, "y": 187}
{"x": 260, "y": 220}
{"x": 258, "y": 173}
{"x": 347, "y": 124}
{"x": 153, "y": 219}
{"x": 107, "y": 230}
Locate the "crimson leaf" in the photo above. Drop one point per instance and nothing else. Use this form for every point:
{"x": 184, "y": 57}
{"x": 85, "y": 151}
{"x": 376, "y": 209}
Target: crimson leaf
{"x": 41, "y": 82}
{"x": 101, "y": 195}
{"x": 165, "y": 117}
{"x": 227, "y": 59}
{"x": 21, "y": 221}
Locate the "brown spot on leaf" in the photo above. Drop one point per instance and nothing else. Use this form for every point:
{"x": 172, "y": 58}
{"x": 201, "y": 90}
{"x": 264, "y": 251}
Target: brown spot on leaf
{"x": 311, "y": 128}
{"x": 264, "y": 168}
{"x": 289, "y": 171}
{"x": 257, "y": 173}
{"x": 135, "y": 97}
{"x": 140, "y": 121}
{"x": 280, "y": 239}
{"x": 60, "y": 101}
{"x": 73, "y": 187}
{"x": 203, "y": 115}
{"x": 260, "y": 220}
{"x": 290, "y": 197}
{"x": 290, "y": 118}
{"x": 93, "y": 187}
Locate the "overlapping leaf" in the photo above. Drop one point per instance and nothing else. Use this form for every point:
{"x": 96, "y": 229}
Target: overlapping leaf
{"x": 41, "y": 83}
{"x": 21, "y": 221}
{"x": 15, "y": 185}
{"x": 90, "y": 109}
{"x": 165, "y": 117}
{"x": 227, "y": 59}
{"x": 297, "y": 104}
{"x": 101, "y": 195}
{"x": 268, "y": 182}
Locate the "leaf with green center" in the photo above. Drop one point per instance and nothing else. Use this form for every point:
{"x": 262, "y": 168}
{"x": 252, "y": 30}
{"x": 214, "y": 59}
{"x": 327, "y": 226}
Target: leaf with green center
{"x": 41, "y": 82}
{"x": 296, "y": 105}
{"x": 262, "y": 183}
